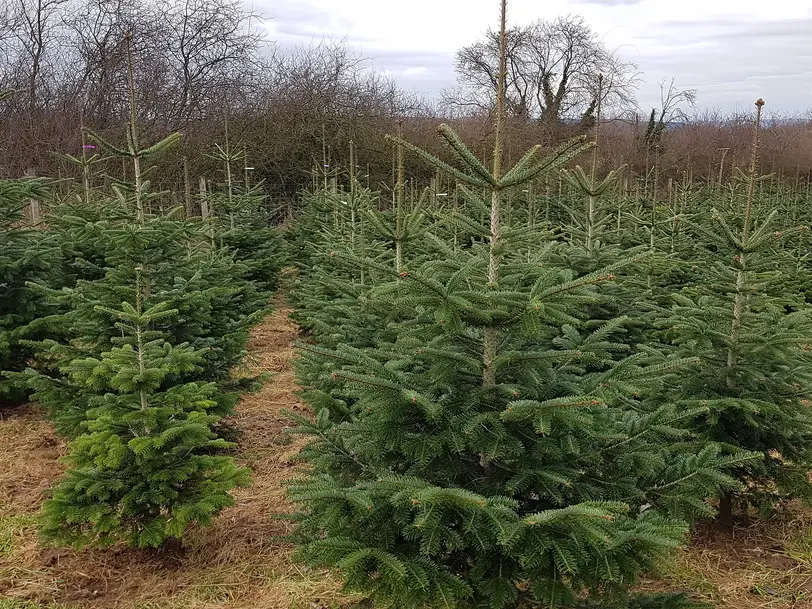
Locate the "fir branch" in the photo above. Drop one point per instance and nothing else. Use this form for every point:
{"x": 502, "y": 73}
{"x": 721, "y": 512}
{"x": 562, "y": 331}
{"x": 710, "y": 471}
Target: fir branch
{"x": 440, "y": 165}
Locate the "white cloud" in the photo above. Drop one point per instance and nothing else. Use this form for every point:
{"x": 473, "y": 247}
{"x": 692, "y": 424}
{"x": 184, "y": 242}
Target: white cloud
{"x": 730, "y": 50}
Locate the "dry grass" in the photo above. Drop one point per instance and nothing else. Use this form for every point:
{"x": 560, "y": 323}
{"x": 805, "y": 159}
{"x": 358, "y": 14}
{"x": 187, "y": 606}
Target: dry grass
{"x": 240, "y": 561}
{"x": 767, "y": 565}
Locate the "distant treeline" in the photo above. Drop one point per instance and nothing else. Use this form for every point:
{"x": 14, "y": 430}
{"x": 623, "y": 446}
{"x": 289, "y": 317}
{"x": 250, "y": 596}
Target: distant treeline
{"x": 206, "y": 69}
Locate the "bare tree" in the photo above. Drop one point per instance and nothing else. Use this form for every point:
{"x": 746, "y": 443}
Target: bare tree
{"x": 36, "y": 22}
{"x": 316, "y": 98}
{"x": 552, "y": 73}
{"x": 96, "y": 30}
{"x": 672, "y": 103}
{"x": 210, "y": 45}
{"x": 9, "y": 25}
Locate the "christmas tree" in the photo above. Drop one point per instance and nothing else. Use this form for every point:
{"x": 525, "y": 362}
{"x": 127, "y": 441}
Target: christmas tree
{"x": 498, "y": 450}
{"x": 146, "y": 467}
{"x": 751, "y": 330}
{"x": 215, "y": 299}
{"x": 242, "y": 222}
{"x": 141, "y": 376}
{"x": 26, "y": 254}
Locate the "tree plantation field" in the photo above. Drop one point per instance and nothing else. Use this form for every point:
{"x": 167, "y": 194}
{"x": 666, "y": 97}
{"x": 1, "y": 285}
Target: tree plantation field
{"x": 522, "y": 377}
{"x": 240, "y": 563}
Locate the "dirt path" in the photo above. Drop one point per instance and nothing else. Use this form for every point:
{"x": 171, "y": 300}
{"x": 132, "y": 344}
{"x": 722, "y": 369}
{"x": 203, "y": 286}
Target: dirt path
{"x": 237, "y": 563}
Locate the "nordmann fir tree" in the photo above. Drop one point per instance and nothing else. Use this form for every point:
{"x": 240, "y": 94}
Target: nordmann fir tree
{"x": 589, "y": 228}
{"x": 242, "y": 222}
{"x": 592, "y": 243}
{"x": 495, "y": 454}
{"x": 751, "y": 331}
{"x": 146, "y": 468}
{"x": 144, "y": 463}
{"x": 79, "y": 222}
{"x": 216, "y": 301}
{"x": 332, "y": 297}
{"x": 26, "y": 254}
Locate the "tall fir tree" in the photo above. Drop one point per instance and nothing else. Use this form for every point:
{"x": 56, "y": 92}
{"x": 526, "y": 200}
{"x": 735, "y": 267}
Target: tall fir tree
{"x": 751, "y": 330}
{"x": 140, "y": 381}
{"x": 496, "y": 451}
{"x": 107, "y": 243}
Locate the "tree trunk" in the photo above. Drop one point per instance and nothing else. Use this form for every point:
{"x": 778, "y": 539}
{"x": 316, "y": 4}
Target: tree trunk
{"x": 725, "y": 517}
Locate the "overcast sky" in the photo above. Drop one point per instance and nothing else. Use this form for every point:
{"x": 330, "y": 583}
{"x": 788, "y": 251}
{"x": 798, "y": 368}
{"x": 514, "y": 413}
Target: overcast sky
{"x": 731, "y": 51}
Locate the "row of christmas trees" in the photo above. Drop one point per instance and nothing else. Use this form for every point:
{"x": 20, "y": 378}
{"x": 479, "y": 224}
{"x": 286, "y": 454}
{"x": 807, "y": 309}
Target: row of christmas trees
{"x": 513, "y": 404}
{"x": 533, "y": 413}
{"x": 125, "y": 322}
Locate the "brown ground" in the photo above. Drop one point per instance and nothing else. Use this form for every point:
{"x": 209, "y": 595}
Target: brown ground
{"x": 239, "y": 563}
{"x": 765, "y": 566}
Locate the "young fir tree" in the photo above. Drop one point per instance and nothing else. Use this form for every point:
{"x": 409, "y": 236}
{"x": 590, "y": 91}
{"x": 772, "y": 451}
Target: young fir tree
{"x": 133, "y": 381}
{"x": 242, "y": 222}
{"x": 593, "y": 242}
{"x": 330, "y": 296}
{"x": 78, "y": 222}
{"x": 26, "y": 254}
{"x": 496, "y": 453}
{"x": 751, "y": 331}
{"x": 216, "y": 301}
{"x": 146, "y": 467}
